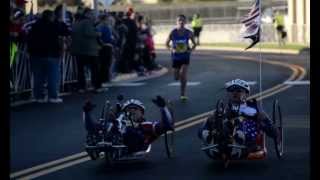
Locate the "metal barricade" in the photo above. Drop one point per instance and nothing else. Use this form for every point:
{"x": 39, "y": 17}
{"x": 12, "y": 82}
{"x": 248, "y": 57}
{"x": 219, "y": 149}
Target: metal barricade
{"x": 21, "y": 80}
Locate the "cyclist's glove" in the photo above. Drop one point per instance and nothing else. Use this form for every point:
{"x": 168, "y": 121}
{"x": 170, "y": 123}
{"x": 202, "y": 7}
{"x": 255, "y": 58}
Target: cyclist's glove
{"x": 159, "y": 101}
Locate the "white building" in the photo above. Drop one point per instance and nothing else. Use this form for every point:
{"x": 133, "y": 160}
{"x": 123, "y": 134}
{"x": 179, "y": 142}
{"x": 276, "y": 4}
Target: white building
{"x": 298, "y": 24}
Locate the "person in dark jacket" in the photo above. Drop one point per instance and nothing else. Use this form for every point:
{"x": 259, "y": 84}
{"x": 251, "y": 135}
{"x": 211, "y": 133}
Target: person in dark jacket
{"x": 127, "y": 61}
{"x": 45, "y": 50}
{"x": 120, "y": 33}
{"x": 105, "y": 53}
{"x": 85, "y": 48}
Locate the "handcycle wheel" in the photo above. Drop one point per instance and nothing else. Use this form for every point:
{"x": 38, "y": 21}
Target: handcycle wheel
{"x": 169, "y": 138}
{"x": 278, "y": 124}
{"x": 169, "y": 143}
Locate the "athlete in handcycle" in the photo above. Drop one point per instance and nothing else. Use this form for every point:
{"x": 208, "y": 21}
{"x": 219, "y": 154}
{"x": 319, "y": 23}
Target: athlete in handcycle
{"x": 122, "y": 132}
{"x": 237, "y": 130}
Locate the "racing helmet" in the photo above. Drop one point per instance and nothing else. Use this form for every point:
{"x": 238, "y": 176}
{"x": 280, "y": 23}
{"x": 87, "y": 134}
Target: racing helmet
{"x": 133, "y": 103}
{"x": 238, "y": 83}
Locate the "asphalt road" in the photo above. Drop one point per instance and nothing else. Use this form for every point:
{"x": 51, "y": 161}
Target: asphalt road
{"x": 41, "y": 133}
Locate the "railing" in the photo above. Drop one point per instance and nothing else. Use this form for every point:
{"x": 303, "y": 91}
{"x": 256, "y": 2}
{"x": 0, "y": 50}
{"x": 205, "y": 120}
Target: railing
{"x": 21, "y": 80}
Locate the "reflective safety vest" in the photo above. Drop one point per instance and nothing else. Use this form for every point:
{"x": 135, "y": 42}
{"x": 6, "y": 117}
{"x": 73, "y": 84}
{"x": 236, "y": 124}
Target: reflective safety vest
{"x": 196, "y": 22}
{"x": 13, "y": 51}
{"x": 279, "y": 20}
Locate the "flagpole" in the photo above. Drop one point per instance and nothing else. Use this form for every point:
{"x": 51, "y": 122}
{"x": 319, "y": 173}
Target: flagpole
{"x": 260, "y": 58}
{"x": 260, "y": 75}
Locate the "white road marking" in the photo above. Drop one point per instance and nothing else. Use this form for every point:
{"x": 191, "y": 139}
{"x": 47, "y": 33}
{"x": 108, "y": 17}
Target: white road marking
{"x": 252, "y": 82}
{"x": 42, "y": 166}
{"x": 188, "y": 84}
{"x": 128, "y": 84}
{"x": 53, "y": 169}
{"x": 297, "y": 82}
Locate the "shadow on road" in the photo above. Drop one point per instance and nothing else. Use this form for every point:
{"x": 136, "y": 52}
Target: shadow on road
{"x": 124, "y": 167}
{"x": 238, "y": 167}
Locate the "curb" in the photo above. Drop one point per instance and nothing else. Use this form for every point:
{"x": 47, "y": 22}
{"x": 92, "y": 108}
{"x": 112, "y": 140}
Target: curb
{"x": 121, "y": 78}
{"x": 265, "y": 50}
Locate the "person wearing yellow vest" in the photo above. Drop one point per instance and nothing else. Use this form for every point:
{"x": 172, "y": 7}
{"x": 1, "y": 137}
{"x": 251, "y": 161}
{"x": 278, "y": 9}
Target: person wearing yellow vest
{"x": 279, "y": 25}
{"x": 13, "y": 51}
{"x": 197, "y": 27}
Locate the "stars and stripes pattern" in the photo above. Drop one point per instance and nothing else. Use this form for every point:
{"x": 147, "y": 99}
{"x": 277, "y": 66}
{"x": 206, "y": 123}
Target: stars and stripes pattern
{"x": 251, "y": 24}
{"x": 249, "y": 127}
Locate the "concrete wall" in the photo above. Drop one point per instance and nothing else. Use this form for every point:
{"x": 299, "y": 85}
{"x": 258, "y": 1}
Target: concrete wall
{"x": 298, "y": 24}
{"x": 213, "y": 33}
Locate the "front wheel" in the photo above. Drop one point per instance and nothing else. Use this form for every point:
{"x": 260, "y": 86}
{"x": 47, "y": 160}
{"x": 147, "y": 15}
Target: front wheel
{"x": 169, "y": 143}
{"x": 278, "y": 124}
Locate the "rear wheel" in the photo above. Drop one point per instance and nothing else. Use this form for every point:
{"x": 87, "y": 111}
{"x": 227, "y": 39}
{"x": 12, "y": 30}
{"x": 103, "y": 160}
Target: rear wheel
{"x": 278, "y": 124}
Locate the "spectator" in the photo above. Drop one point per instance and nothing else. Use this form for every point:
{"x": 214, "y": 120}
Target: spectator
{"x": 16, "y": 24}
{"x": 120, "y": 33}
{"x": 45, "y": 51}
{"x": 85, "y": 48}
{"x": 105, "y": 53}
{"x": 279, "y": 25}
{"x": 197, "y": 27}
{"x": 146, "y": 44}
{"x": 127, "y": 60}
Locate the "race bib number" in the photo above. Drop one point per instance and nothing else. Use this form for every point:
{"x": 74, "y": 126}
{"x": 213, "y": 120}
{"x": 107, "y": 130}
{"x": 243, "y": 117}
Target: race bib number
{"x": 181, "y": 47}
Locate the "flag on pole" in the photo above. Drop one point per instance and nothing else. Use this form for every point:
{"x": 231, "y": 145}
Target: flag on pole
{"x": 251, "y": 24}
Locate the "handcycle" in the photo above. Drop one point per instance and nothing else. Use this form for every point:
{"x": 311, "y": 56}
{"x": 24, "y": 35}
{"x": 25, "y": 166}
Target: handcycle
{"x": 106, "y": 141}
{"x": 221, "y": 142}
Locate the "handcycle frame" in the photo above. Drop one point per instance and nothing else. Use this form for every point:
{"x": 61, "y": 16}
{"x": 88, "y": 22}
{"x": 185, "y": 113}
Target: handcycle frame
{"x": 219, "y": 149}
{"x": 109, "y": 144}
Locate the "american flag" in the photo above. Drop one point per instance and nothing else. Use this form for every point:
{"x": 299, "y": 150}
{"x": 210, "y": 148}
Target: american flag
{"x": 251, "y": 24}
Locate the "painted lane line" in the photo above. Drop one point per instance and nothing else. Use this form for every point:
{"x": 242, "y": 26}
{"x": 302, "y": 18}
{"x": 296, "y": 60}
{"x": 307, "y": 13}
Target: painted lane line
{"x": 193, "y": 121}
{"x": 53, "y": 169}
{"x": 188, "y": 84}
{"x": 297, "y": 82}
{"x": 127, "y": 84}
{"x": 300, "y": 77}
{"x": 46, "y": 165}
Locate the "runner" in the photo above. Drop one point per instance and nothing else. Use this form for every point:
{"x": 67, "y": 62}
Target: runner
{"x": 180, "y": 52}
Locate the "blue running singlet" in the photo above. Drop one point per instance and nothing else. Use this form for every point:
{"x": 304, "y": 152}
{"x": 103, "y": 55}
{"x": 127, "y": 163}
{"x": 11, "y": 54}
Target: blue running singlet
{"x": 180, "y": 43}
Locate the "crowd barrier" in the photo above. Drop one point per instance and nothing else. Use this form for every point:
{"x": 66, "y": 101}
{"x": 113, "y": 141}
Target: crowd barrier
{"x": 21, "y": 76}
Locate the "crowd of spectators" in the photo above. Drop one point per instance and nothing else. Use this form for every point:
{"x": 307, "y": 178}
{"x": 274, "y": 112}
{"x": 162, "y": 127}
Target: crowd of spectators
{"x": 105, "y": 43}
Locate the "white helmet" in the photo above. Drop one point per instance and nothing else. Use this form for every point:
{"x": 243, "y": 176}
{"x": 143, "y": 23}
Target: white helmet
{"x": 238, "y": 83}
{"x": 133, "y": 102}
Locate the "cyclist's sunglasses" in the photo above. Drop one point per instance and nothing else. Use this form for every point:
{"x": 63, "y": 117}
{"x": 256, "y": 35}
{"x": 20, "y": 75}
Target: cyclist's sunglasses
{"x": 236, "y": 89}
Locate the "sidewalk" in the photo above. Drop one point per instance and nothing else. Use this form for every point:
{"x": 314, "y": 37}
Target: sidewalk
{"x": 120, "y": 78}
{"x": 255, "y": 49}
